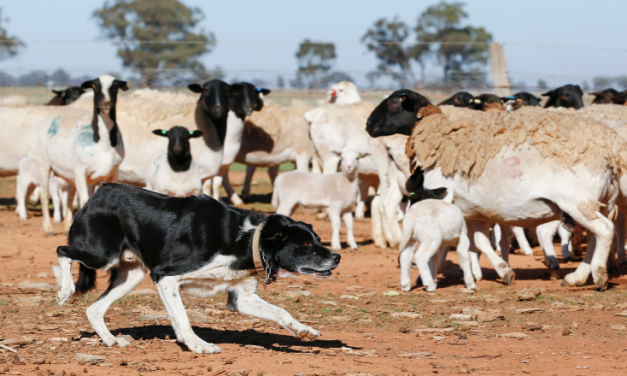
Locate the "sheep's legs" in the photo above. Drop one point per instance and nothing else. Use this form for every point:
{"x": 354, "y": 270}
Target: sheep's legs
{"x": 22, "y": 193}
{"x": 546, "y": 232}
{"x": 482, "y": 241}
{"x": 375, "y": 223}
{"x": 250, "y": 171}
{"x": 596, "y": 258}
{"x": 567, "y": 245}
{"x": 523, "y": 243}
{"x": 505, "y": 242}
{"x": 619, "y": 230}
{"x": 474, "y": 252}
{"x": 348, "y": 222}
{"x": 426, "y": 250}
{"x": 407, "y": 255}
{"x": 230, "y": 192}
{"x": 55, "y": 194}
{"x": 44, "y": 169}
{"x": 463, "y": 247}
{"x": 336, "y": 223}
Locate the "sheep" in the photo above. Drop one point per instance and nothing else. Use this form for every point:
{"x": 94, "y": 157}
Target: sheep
{"x": 569, "y": 96}
{"x": 433, "y": 224}
{"x": 29, "y": 178}
{"x": 82, "y": 147}
{"x": 273, "y": 136}
{"x": 604, "y": 97}
{"x": 343, "y": 92}
{"x": 459, "y": 99}
{"x": 244, "y": 98}
{"x": 336, "y": 192}
{"x": 65, "y": 97}
{"x": 491, "y": 166}
{"x": 174, "y": 173}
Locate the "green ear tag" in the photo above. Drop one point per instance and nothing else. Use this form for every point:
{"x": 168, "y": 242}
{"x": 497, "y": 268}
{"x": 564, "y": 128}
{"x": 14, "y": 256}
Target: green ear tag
{"x": 191, "y": 133}
{"x": 164, "y": 132}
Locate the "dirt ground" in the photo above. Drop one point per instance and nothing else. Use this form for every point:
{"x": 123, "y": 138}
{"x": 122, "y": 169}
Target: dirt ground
{"x": 368, "y": 325}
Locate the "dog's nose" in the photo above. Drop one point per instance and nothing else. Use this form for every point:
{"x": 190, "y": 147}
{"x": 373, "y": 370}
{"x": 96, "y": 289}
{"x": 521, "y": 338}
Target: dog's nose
{"x": 336, "y": 258}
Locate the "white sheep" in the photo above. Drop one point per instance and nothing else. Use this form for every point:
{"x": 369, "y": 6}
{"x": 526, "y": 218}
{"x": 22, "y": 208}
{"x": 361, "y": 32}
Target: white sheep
{"x": 174, "y": 173}
{"x": 336, "y": 192}
{"x": 29, "y": 178}
{"x": 433, "y": 224}
{"x": 343, "y": 92}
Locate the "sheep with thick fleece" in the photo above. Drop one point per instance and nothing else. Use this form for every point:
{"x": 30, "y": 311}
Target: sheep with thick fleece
{"x": 523, "y": 168}
{"x": 336, "y": 192}
{"x": 433, "y": 224}
{"x": 174, "y": 172}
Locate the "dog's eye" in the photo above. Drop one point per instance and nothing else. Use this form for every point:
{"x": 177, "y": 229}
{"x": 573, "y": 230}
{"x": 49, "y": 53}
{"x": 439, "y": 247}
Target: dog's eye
{"x": 306, "y": 245}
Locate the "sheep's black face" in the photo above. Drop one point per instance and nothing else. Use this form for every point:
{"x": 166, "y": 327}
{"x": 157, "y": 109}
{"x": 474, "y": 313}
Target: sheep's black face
{"x": 213, "y": 97}
{"x": 620, "y": 98}
{"x": 244, "y": 98}
{"x": 569, "y": 96}
{"x": 295, "y": 247}
{"x": 71, "y": 95}
{"x": 179, "y": 150}
{"x": 479, "y": 102}
{"x": 460, "y": 99}
{"x": 396, "y": 114}
{"x": 106, "y": 89}
{"x": 527, "y": 99}
{"x": 604, "y": 97}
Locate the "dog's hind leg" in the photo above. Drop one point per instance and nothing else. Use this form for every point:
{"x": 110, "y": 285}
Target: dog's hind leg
{"x": 243, "y": 298}
{"x": 123, "y": 280}
{"x": 168, "y": 288}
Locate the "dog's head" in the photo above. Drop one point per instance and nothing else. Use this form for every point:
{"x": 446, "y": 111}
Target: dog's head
{"x": 287, "y": 245}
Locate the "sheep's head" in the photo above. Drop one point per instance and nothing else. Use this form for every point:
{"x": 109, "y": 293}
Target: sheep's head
{"x": 460, "y": 99}
{"x": 526, "y": 99}
{"x": 178, "y": 141}
{"x": 350, "y": 161}
{"x": 105, "y": 90}
{"x": 69, "y": 95}
{"x": 244, "y": 98}
{"x": 569, "y": 96}
{"x": 484, "y": 102}
{"x": 213, "y": 97}
{"x": 396, "y": 114}
{"x": 343, "y": 92}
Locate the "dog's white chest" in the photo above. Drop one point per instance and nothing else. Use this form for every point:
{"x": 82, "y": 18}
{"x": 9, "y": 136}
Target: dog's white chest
{"x": 212, "y": 278}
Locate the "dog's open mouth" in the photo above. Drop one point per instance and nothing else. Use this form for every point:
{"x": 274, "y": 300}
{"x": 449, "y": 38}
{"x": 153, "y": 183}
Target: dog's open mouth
{"x": 317, "y": 273}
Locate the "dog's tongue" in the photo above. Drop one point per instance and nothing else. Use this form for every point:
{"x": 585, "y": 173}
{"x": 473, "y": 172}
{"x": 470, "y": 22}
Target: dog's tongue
{"x": 285, "y": 274}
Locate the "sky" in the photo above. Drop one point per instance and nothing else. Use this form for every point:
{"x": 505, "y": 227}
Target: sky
{"x": 560, "y": 41}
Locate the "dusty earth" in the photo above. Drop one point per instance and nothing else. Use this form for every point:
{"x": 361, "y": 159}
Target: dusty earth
{"x": 368, "y": 325}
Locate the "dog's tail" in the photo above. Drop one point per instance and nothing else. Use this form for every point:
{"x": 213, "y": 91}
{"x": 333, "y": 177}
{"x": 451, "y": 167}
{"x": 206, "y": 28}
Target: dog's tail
{"x": 86, "y": 280}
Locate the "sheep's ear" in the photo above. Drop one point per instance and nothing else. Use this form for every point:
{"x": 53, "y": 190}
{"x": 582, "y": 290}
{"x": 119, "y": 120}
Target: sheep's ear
{"x": 548, "y": 93}
{"x": 232, "y": 90}
{"x": 160, "y": 132}
{"x": 195, "y": 134}
{"x": 58, "y": 92}
{"x": 263, "y": 91}
{"x": 123, "y": 85}
{"x": 336, "y": 153}
{"x": 88, "y": 84}
{"x": 196, "y": 88}
{"x": 363, "y": 155}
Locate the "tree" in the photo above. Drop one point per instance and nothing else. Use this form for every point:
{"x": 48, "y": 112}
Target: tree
{"x": 60, "y": 77}
{"x": 6, "y": 79}
{"x": 315, "y": 60}
{"x": 156, "y": 38}
{"x": 601, "y": 83}
{"x": 461, "y": 50}
{"x": 280, "y": 82}
{"x": 9, "y": 45}
{"x": 542, "y": 85}
{"x": 34, "y": 78}
{"x": 387, "y": 40}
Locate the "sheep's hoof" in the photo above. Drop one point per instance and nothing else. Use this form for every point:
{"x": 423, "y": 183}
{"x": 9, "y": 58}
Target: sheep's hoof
{"x": 554, "y": 266}
{"x": 565, "y": 283}
{"x": 602, "y": 284}
{"x": 509, "y": 277}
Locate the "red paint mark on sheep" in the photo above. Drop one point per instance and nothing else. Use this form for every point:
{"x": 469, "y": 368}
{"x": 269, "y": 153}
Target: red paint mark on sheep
{"x": 510, "y": 168}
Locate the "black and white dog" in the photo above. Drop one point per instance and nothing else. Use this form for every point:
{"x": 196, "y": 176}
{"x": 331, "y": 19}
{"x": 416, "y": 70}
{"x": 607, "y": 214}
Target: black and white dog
{"x": 196, "y": 244}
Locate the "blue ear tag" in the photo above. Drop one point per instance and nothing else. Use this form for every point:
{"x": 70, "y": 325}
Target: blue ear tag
{"x": 164, "y": 132}
{"x": 259, "y": 90}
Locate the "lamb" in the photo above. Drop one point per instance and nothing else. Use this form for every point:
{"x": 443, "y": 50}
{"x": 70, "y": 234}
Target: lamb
{"x": 29, "y": 178}
{"x": 174, "y": 173}
{"x": 336, "y": 192}
{"x": 433, "y": 224}
{"x": 83, "y": 147}
{"x": 491, "y": 166}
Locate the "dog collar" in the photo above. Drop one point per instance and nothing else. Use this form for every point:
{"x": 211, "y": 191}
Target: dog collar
{"x": 264, "y": 277}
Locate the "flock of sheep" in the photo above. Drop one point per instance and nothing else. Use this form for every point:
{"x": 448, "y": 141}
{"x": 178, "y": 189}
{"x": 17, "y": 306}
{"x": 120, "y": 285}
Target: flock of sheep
{"x": 452, "y": 173}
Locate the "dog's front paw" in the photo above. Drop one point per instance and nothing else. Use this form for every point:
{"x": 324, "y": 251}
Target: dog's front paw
{"x": 122, "y": 342}
{"x": 304, "y": 332}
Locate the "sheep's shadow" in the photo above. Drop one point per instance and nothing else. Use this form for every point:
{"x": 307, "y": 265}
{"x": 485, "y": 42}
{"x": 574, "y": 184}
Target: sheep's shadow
{"x": 269, "y": 341}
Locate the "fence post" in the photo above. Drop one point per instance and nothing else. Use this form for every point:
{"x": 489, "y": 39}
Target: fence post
{"x": 499, "y": 70}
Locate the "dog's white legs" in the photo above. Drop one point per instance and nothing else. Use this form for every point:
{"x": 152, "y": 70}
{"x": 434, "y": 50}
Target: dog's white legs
{"x": 168, "y": 288}
{"x": 350, "y": 236}
{"x": 244, "y": 299}
{"x": 63, "y": 275}
{"x": 126, "y": 277}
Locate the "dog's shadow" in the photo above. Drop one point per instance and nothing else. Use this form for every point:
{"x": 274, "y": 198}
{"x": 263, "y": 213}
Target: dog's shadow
{"x": 269, "y": 341}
